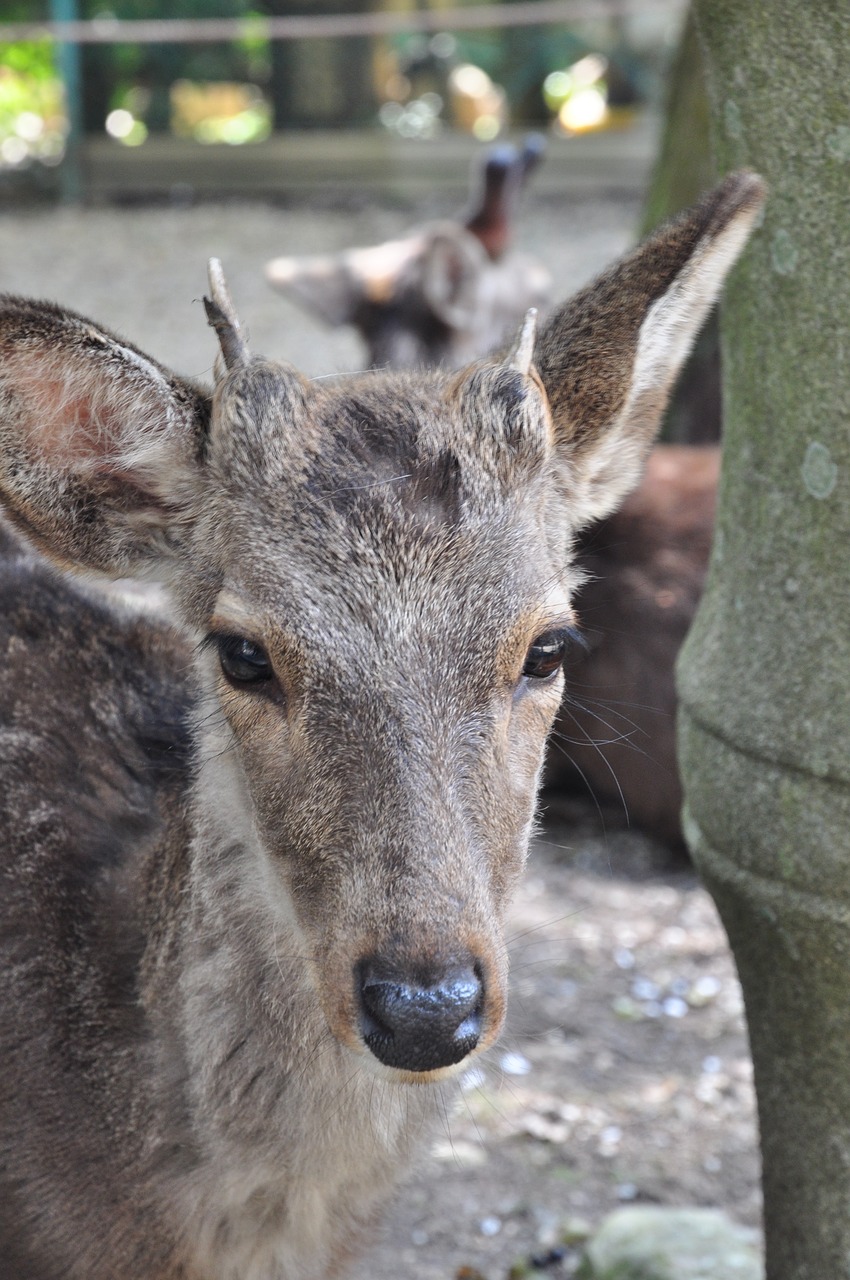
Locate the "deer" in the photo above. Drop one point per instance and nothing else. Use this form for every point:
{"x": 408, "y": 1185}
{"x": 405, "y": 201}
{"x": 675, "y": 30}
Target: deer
{"x": 645, "y": 567}
{"x": 256, "y": 868}
{"x": 447, "y": 292}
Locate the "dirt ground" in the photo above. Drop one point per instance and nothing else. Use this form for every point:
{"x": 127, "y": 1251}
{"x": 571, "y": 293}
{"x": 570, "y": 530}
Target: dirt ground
{"x": 624, "y": 1075}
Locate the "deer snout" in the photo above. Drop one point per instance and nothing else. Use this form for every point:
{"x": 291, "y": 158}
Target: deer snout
{"x": 419, "y": 1026}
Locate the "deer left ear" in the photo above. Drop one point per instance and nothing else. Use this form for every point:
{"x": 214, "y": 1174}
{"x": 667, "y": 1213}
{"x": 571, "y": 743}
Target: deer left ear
{"x": 608, "y": 359}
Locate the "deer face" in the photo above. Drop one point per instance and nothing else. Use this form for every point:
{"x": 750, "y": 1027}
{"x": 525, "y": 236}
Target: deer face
{"x": 377, "y": 573}
{"x": 384, "y": 610}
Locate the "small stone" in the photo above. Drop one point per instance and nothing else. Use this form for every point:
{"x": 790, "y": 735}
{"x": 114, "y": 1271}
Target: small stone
{"x": 649, "y": 1243}
{"x": 574, "y": 1230}
{"x": 540, "y": 1261}
{"x": 611, "y": 1136}
{"x": 705, "y": 989}
{"x": 626, "y": 1007}
{"x": 514, "y": 1064}
{"x": 490, "y": 1226}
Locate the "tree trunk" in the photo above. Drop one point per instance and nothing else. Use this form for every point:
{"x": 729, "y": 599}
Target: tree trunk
{"x": 685, "y": 168}
{"x": 685, "y": 165}
{"x": 765, "y": 719}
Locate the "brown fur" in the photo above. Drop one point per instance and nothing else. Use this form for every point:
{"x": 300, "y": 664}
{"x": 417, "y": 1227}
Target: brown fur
{"x": 615, "y": 735}
{"x": 238, "y": 914}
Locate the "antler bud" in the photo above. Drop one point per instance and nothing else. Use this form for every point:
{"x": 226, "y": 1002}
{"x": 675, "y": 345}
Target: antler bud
{"x": 221, "y": 314}
{"x": 522, "y": 353}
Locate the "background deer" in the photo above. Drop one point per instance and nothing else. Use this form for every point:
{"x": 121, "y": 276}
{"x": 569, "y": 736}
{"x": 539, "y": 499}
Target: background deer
{"x": 615, "y": 735}
{"x": 252, "y": 904}
{"x": 444, "y": 294}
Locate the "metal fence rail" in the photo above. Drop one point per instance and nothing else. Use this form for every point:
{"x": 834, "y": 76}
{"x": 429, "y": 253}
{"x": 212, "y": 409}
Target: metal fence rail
{"x": 296, "y": 27}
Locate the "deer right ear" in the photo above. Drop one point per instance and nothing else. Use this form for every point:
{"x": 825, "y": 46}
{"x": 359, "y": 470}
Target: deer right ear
{"x": 609, "y": 358}
{"x": 100, "y": 447}
{"x": 453, "y": 266}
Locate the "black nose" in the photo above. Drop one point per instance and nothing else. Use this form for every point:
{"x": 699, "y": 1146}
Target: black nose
{"x": 419, "y": 1027}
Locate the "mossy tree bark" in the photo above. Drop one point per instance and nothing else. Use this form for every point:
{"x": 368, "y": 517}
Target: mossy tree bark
{"x": 765, "y": 676}
{"x": 685, "y": 168}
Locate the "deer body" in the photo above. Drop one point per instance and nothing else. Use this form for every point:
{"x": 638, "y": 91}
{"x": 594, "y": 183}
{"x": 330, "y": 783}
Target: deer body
{"x": 256, "y": 874}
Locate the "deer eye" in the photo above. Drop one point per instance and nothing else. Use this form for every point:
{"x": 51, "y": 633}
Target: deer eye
{"x": 546, "y": 654}
{"x": 243, "y": 661}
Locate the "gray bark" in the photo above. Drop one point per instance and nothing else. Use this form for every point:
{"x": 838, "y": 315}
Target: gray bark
{"x": 765, "y": 720}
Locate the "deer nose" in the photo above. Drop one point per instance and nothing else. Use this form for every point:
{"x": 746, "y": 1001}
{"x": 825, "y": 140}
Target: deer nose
{"x": 419, "y": 1027}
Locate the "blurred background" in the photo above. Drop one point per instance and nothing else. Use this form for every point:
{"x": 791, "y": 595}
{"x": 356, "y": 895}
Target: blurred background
{"x": 200, "y": 121}
{"x": 145, "y": 97}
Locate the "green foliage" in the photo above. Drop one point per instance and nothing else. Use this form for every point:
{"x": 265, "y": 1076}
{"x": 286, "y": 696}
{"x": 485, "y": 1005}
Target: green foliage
{"x": 32, "y": 120}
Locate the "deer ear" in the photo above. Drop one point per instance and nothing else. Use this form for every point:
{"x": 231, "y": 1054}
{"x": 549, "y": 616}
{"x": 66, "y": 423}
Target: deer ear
{"x": 100, "y": 447}
{"x": 608, "y": 359}
{"x": 453, "y": 265}
{"x": 323, "y": 284}
{"x": 334, "y": 286}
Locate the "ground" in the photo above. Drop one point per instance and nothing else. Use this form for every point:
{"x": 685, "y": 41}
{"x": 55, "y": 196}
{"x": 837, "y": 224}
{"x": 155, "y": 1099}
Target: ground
{"x": 623, "y": 1077}
{"x": 624, "y": 1073}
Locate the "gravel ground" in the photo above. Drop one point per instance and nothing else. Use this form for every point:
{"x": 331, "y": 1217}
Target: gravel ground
{"x": 624, "y": 1075}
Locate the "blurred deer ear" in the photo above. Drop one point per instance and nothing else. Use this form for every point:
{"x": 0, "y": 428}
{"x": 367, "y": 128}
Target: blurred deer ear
{"x": 100, "y": 447}
{"x": 453, "y": 265}
{"x": 608, "y": 359}
{"x": 334, "y": 286}
{"x": 322, "y": 284}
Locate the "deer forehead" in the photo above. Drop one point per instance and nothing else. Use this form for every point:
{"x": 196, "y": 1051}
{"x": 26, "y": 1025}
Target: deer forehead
{"x": 387, "y": 490}
{"x": 482, "y": 434}
{"x": 375, "y": 584}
